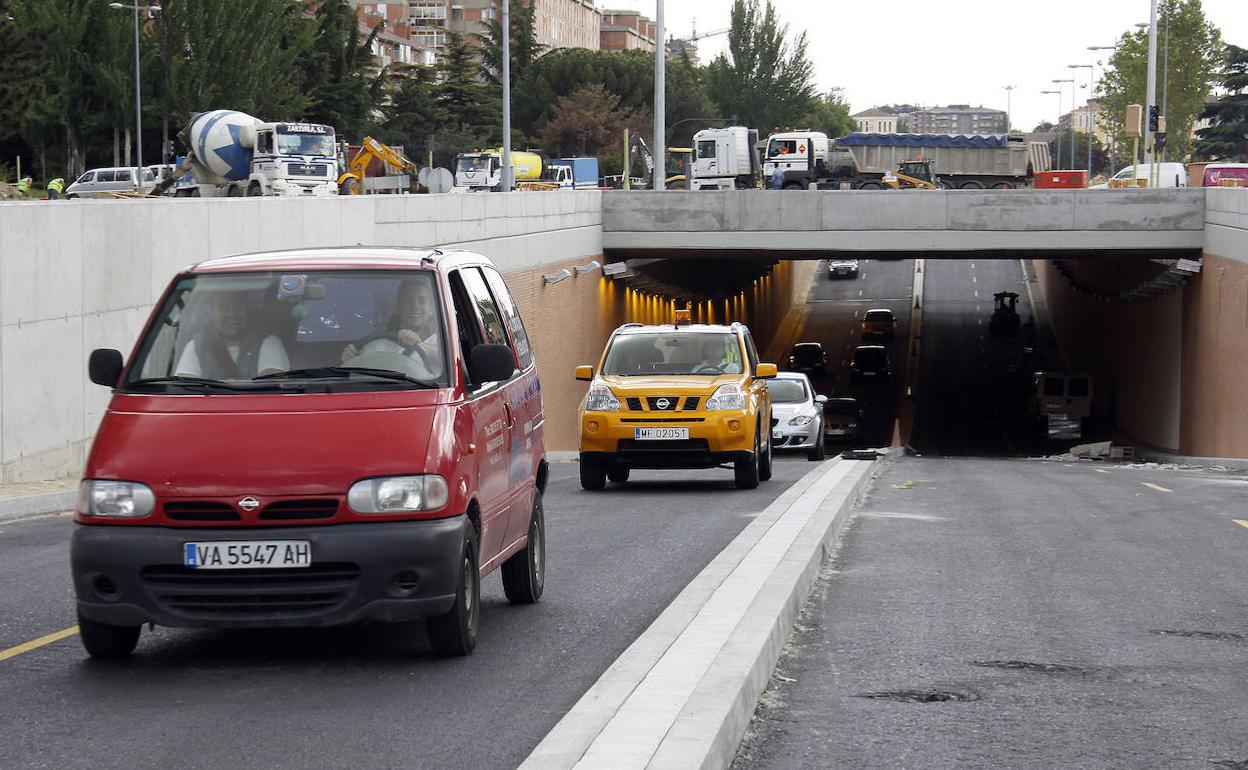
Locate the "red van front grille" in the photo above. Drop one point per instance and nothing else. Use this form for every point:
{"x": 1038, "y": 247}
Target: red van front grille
{"x": 200, "y": 510}
{"x": 288, "y": 510}
{"x": 278, "y": 593}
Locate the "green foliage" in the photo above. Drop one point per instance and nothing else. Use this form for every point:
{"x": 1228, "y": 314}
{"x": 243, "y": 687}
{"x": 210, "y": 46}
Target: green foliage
{"x": 524, "y": 46}
{"x": 687, "y": 102}
{"x": 762, "y": 80}
{"x": 471, "y": 116}
{"x": 583, "y": 123}
{"x": 830, "y": 114}
{"x": 1100, "y": 155}
{"x": 1195, "y": 56}
{"x": 339, "y": 74}
{"x": 627, "y": 75}
{"x": 414, "y": 115}
{"x": 1226, "y": 138}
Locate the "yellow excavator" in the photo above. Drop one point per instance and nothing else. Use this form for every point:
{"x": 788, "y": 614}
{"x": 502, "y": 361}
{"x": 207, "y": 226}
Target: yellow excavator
{"x": 351, "y": 182}
{"x": 912, "y": 175}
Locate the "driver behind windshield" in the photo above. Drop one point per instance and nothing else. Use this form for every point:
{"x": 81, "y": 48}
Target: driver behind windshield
{"x": 228, "y": 348}
{"x": 412, "y": 329}
{"x": 716, "y": 355}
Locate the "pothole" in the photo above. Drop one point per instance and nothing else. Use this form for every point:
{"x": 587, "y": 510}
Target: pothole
{"x": 1217, "y": 636}
{"x": 922, "y": 696}
{"x": 1023, "y": 665}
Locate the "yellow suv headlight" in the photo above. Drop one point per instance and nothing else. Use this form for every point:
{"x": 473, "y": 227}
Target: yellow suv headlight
{"x": 726, "y": 397}
{"x": 601, "y": 399}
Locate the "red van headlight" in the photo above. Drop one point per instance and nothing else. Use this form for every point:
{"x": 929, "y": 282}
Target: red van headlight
{"x": 115, "y": 499}
{"x": 398, "y": 494}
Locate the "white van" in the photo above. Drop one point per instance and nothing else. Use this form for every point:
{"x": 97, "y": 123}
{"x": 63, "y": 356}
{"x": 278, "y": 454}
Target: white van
{"x": 98, "y": 181}
{"x": 1171, "y": 175}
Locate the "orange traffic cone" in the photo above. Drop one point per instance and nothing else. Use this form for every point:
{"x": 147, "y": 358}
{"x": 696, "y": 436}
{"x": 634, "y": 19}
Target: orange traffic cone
{"x": 896, "y": 433}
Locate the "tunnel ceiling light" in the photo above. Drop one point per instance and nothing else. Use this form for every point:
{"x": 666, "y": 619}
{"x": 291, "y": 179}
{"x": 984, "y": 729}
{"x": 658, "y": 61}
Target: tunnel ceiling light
{"x": 614, "y": 268}
{"x": 550, "y": 278}
{"x": 588, "y": 267}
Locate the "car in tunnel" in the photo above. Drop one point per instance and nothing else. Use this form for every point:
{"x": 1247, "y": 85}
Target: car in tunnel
{"x": 808, "y": 357}
{"x": 798, "y": 414}
{"x": 676, "y": 396}
{"x": 879, "y": 323}
{"x": 843, "y": 268}
{"x": 870, "y": 363}
{"x": 842, "y": 420}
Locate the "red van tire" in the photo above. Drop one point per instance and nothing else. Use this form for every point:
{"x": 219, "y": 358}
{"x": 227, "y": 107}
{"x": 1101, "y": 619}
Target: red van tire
{"x": 105, "y": 641}
{"x": 455, "y": 633}
{"x": 524, "y": 574}
{"x": 593, "y": 475}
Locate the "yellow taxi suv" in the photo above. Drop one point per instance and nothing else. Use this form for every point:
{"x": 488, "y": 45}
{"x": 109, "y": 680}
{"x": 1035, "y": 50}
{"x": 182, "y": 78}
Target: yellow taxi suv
{"x": 676, "y": 396}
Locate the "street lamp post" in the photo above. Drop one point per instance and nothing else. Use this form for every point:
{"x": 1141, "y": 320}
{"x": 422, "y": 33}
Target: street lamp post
{"x": 1087, "y": 112}
{"x": 1008, "y": 111}
{"x": 660, "y": 98}
{"x": 1149, "y": 146}
{"x": 506, "y": 180}
{"x": 1059, "y": 123}
{"x": 1113, "y": 140}
{"x": 1072, "y": 115}
{"x": 138, "y": 90}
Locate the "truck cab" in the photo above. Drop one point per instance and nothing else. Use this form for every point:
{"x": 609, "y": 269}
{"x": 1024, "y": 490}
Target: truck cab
{"x": 482, "y": 171}
{"x": 294, "y": 159}
{"x": 725, "y": 159}
{"x": 795, "y": 159}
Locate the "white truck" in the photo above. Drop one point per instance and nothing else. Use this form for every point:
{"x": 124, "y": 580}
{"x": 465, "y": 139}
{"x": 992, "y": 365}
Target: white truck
{"x": 724, "y": 159}
{"x": 232, "y": 154}
{"x": 793, "y": 160}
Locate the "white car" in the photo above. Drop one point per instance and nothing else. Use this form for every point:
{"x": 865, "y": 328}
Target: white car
{"x": 847, "y": 268}
{"x": 798, "y": 414}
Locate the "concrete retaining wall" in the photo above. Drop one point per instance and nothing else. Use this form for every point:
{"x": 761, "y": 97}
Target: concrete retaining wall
{"x": 77, "y": 275}
{"x": 936, "y": 220}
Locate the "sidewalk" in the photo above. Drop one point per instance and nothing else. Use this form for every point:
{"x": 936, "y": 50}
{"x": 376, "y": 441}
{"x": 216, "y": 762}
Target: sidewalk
{"x": 32, "y": 498}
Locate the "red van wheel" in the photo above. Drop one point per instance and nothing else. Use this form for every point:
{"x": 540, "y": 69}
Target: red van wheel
{"x": 455, "y": 633}
{"x": 524, "y": 574}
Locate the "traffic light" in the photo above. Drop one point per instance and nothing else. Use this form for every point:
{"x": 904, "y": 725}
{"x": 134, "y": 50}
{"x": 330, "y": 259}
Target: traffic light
{"x": 1153, "y": 115}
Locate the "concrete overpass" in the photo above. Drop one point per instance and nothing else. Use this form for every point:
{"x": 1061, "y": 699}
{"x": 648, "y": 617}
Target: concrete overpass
{"x": 812, "y": 224}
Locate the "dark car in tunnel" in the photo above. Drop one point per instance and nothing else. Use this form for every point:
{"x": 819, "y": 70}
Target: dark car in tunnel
{"x": 842, "y": 420}
{"x": 871, "y": 362}
{"x": 808, "y": 357}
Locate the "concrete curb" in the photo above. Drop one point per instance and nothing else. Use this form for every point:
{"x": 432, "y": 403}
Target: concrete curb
{"x": 34, "y": 505}
{"x": 1158, "y": 456}
{"x": 683, "y": 694}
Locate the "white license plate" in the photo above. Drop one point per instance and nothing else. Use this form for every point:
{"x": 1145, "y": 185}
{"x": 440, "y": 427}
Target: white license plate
{"x": 777, "y": 434}
{"x": 247, "y": 554}
{"x": 660, "y": 434}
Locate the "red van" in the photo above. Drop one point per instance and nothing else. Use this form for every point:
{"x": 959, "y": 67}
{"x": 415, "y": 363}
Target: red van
{"x": 315, "y": 437}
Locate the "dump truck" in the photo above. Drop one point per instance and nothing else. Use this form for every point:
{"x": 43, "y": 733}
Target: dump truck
{"x": 234, "y": 154}
{"x": 482, "y": 171}
{"x": 960, "y": 161}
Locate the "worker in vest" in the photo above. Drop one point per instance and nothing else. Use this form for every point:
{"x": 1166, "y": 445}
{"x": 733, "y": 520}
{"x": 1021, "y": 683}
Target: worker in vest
{"x": 56, "y": 189}
{"x": 23, "y": 185}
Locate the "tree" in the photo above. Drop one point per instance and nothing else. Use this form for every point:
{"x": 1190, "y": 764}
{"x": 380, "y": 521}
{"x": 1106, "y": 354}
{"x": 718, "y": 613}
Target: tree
{"x": 686, "y": 100}
{"x": 1226, "y": 138}
{"x": 830, "y": 114}
{"x": 472, "y": 118}
{"x": 762, "y": 80}
{"x": 414, "y": 115}
{"x": 629, "y": 75}
{"x": 1195, "y": 53}
{"x": 583, "y": 122}
{"x": 1100, "y": 155}
{"x": 524, "y": 45}
{"x": 341, "y": 77}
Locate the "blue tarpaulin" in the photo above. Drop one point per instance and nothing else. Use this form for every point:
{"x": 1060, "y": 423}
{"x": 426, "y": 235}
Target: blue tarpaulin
{"x": 922, "y": 140}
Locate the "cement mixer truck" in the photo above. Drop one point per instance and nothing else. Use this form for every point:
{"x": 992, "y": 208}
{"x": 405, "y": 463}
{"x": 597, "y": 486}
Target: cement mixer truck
{"x": 233, "y": 154}
{"x": 483, "y": 171}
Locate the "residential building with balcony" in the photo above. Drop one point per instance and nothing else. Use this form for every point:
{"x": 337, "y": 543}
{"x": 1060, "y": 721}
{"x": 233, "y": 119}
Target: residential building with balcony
{"x": 958, "y": 119}
{"x": 626, "y": 31}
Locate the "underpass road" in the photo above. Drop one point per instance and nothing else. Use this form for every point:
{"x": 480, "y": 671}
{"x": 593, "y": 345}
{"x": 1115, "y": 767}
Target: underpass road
{"x": 837, "y": 306}
{"x": 369, "y": 696}
{"x": 1096, "y": 613}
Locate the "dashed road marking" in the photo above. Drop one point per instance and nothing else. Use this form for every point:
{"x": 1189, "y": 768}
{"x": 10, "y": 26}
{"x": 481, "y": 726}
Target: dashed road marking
{"x": 1157, "y": 487}
{"x": 977, "y": 292}
{"x": 1100, "y": 470}
{"x": 35, "y": 644}
{"x": 973, "y": 279}
{"x": 860, "y": 292}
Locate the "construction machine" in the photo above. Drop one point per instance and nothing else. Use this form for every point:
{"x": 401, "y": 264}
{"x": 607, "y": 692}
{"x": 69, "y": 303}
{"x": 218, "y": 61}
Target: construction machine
{"x": 351, "y": 181}
{"x": 1005, "y": 321}
{"x": 912, "y": 175}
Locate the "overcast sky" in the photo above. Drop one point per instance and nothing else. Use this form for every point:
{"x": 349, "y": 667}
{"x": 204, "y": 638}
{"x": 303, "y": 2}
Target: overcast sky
{"x": 938, "y": 52}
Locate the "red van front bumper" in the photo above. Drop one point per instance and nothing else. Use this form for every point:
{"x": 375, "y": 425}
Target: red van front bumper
{"x": 387, "y": 571}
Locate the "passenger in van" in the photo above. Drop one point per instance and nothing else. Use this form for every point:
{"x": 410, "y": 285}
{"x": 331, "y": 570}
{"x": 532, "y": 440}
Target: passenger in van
{"x": 228, "y": 348}
{"x": 412, "y": 329}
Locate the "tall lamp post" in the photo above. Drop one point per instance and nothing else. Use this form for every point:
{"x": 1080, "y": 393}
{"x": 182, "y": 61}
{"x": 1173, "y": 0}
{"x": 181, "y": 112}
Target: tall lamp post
{"x": 1059, "y": 122}
{"x": 1087, "y": 112}
{"x": 660, "y": 98}
{"x": 1059, "y": 81}
{"x": 1008, "y": 111}
{"x": 1113, "y": 140}
{"x": 138, "y": 90}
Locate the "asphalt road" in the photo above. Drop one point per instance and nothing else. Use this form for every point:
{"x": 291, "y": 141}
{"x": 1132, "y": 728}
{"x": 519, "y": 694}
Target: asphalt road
{"x": 837, "y": 306}
{"x": 972, "y": 388}
{"x": 1091, "y": 616}
{"x": 370, "y": 696}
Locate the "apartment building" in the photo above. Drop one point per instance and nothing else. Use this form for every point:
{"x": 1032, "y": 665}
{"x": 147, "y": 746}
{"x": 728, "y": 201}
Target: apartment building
{"x": 557, "y": 23}
{"x": 626, "y": 31}
{"x": 876, "y": 121}
{"x": 957, "y": 119}
{"x": 394, "y": 45}
{"x": 567, "y": 23}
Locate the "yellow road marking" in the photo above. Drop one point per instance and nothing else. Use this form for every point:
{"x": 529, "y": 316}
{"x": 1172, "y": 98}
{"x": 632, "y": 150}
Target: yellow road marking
{"x": 1157, "y": 487}
{"x": 1241, "y": 522}
{"x": 35, "y": 644}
